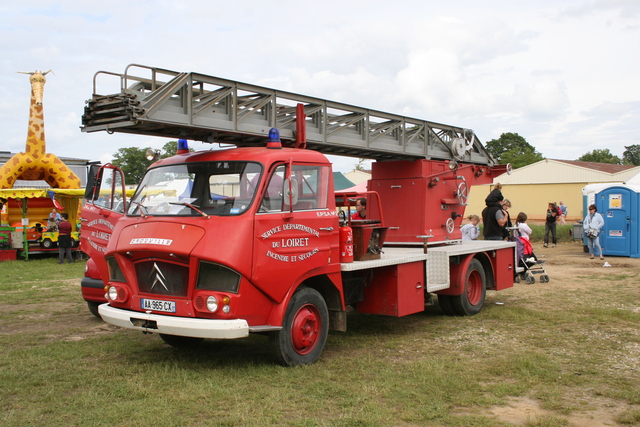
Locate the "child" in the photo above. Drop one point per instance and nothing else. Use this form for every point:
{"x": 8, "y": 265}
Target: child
{"x": 525, "y": 231}
{"x": 471, "y": 231}
{"x": 523, "y": 228}
{"x": 495, "y": 197}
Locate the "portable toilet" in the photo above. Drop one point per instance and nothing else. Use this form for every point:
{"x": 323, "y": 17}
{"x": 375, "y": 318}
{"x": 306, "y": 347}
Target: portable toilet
{"x": 589, "y": 193}
{"x": 619, "y": 207}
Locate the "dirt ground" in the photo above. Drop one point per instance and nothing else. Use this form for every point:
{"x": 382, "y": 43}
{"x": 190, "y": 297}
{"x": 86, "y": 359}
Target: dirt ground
{"x": 564, "y": 264}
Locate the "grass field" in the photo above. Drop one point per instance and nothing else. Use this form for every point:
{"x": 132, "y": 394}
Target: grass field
{"x": 572, "y": 353}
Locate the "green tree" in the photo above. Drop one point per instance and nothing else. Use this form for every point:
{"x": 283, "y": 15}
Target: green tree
{"x": 631, "y": 155}
{"x": 360, "y": 165}
{"x": 133, "y": 162}
{"x": 513, "y": 148}
{"x": 600, "y": 156}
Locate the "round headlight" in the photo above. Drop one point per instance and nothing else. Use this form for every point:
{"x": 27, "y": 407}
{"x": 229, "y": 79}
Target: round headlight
{"x": 212, "y": 303}
{"x": 112, "y": 293}
{"x": 226, "y": 309}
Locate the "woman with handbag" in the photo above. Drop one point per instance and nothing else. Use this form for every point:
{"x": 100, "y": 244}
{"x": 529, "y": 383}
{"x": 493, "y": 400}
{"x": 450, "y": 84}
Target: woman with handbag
{"x": 591, "y": 225}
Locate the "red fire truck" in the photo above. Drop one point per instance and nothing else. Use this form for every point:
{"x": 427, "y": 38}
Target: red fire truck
{"x": 252, "y": 238}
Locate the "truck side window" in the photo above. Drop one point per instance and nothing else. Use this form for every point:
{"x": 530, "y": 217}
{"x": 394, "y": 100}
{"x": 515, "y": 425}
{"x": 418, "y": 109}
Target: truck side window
{"x": 110, "y": 192}
{"x": 272, "y": 200}
{"x": 313, "y": 186}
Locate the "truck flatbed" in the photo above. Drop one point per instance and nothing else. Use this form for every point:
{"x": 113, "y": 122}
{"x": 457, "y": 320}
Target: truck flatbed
{"x": 438, "y": 276}
{"x": 402, "y": 255}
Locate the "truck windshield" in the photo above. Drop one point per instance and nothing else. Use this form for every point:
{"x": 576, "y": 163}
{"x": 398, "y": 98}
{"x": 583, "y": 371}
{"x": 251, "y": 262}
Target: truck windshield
{"x": 197, "y": 189}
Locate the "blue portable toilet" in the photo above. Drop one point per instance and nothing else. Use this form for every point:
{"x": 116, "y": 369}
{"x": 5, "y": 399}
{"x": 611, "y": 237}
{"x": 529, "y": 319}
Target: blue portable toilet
{"x": 620, "y": 235}
{"x": 589, "y": 193}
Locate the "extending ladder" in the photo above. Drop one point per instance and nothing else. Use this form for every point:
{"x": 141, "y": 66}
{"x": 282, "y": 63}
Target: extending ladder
{"x": 165, "y": 103}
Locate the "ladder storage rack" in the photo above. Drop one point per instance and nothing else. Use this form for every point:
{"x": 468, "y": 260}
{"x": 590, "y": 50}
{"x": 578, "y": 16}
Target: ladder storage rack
{"x": 210, "y": 109}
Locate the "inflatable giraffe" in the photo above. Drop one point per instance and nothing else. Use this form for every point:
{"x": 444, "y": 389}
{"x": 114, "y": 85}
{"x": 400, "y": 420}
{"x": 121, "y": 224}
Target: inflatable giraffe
{"x": 35, "y": 163}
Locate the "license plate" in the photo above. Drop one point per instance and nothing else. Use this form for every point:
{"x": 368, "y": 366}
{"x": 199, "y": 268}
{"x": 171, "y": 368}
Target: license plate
{"x": 158, "y": 305}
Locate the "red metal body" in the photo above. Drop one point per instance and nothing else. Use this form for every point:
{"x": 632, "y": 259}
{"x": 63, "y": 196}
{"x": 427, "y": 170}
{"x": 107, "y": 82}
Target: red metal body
{"x": 269, "y": 254}
{"x": 422, "y": 195}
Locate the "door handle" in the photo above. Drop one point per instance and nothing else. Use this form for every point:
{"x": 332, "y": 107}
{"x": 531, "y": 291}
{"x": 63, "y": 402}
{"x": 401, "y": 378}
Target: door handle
{"x": 326, "y": 229}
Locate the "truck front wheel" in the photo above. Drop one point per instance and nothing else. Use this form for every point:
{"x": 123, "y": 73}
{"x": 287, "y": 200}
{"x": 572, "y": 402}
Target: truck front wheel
{"x": 304, "y": 329}
{"x": 471, "y": 300}
{"x": 93, "y": 308}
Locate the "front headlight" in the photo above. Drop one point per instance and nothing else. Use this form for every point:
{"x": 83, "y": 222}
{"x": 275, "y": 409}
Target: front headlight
{"x": 118, "y": 294}
{"x": 112, "y": 293}
{"x": 212, "y": 303}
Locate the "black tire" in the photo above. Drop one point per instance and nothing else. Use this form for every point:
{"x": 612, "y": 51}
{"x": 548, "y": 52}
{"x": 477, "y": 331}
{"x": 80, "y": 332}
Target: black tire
{"x": 48, "y": 244}
{"x": 75, "y": 243}
{"x": 181, "y": 342}
{"x": 93, "y": 308}
{"x": 304, "y": 329}
{"x": 446, "y": 305}
{"x": 471, "y": 301}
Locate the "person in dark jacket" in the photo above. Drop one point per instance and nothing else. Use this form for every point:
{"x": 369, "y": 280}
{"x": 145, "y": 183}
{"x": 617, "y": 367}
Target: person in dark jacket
{"x": 495, "y": 220}
{"x": 64, "y": 239}
{"x": 550, "y": 225}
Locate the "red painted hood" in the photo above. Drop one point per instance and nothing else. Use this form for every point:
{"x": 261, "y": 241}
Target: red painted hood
{"x": 179, "y": 239}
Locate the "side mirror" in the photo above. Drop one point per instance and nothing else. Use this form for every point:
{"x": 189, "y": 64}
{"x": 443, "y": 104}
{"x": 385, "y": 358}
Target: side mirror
{"x": 92, "y": 182}
{"x": 290, "y": 191}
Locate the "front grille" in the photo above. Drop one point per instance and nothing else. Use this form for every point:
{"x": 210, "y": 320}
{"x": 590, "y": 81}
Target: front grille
{"x": 162, "y": 278}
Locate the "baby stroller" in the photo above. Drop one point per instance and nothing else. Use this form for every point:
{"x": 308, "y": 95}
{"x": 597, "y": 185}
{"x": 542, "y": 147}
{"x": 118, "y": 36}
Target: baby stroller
{"x": 528, "y": 264}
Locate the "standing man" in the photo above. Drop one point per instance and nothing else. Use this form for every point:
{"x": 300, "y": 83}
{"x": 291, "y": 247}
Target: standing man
{"x": 494, "y": 219}
{"x": 64, "y": 239}
{"x": 550, "y": 225}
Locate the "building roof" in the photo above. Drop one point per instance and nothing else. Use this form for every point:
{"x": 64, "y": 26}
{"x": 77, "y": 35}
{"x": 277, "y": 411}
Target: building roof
{"x": 602, "y": 167}
{"x": 551, "y": 171}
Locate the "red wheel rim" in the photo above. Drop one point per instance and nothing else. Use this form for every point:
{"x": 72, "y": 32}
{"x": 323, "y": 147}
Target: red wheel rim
{"x": 474, "y": 288}
{"x": 305, "y": 329}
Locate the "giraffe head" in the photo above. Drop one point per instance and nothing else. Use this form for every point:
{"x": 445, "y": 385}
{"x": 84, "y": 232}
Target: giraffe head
{"x": 37, "y": 80}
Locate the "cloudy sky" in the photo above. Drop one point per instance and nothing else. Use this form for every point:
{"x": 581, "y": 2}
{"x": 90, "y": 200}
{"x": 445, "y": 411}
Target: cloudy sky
{"x": 562, "y": 74}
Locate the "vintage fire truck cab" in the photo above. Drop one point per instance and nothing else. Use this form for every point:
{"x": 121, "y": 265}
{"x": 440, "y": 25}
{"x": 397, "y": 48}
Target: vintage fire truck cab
{"x": 216, "y": 244}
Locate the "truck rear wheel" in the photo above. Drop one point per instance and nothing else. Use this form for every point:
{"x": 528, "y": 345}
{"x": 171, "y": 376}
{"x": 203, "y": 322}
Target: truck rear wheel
{"x": 471, "y": 300}
{"x": 304, "y": 329}
{"x": 181, "y": 342}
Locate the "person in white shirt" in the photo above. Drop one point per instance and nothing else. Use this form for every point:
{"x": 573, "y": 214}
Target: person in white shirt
{"x": 471, "y": 231}
{"x": 591, "y": 225}
{"x": 523, "y": 228}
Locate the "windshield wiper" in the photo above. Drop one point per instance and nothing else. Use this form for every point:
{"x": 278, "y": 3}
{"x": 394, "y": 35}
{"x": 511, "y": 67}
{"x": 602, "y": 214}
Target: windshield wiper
{"x": 183, "y": 203}
{"x": 143, "y": 209}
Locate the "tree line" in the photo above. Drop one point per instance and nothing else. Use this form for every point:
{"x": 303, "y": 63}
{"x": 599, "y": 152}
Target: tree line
{"x": 513, "y": 148}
